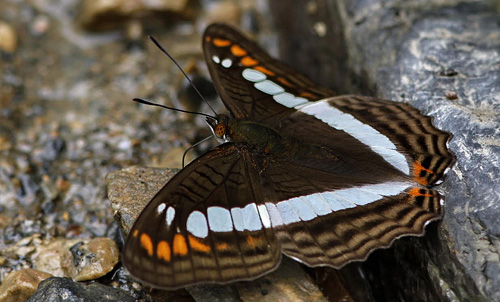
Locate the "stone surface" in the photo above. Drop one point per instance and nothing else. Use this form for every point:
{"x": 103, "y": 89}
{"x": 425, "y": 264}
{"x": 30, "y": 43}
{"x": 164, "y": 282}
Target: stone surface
{"x": 20, "y": 285}
{"x": 130, "y": 189}
{"x": 64, "y": 289}
{"x": 93, "y": 259}
{"x": 78, "y": 259}
{"x": 106, "y": 14}
{"x": 55, "y": 257}
{"x": 8, "y": 38}
{"x": 419, "y": 52}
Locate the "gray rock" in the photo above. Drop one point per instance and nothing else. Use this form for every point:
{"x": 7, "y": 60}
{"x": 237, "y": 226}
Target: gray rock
{"x": 64, "y": 289}
{"x": 443, "y": 58}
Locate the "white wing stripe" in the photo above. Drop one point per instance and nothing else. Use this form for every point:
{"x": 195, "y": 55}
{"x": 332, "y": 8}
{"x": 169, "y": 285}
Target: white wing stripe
{"x": 303, "y": 209}
{"x": 253, "y": 75}
{"x": 317, "y": 203}
{"x": 197, "y": 224}
{"x": 219, "y": 219}
{"x": 269, "y": 87}
{"x": 362, "y": 132}
{"x": 311, "y": 206}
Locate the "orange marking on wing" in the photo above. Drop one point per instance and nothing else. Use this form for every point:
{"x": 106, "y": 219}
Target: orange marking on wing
{"x": 253, "y": 241}
{"x": 221, "y": 42}
{"x": 147, "y": 244}
{"x": 284, "y": 81}
{"x": 208, "y": 38}
{"x": 249, "y": 61}
{"x": 198, "y": 245}
{"x": 416, "y": 192}
{"x": 417, "y": 169}
{"x": 163, "y": 250}
{"x": 222, "y": 246}
{"x": 307, "y": 95}
{"x": 422, "y": 180}
{"x": 135, "y": 233}
{"x": 238, "y": 51}
{"x": 264, "y": 70}
{"x": 180, "y": 246}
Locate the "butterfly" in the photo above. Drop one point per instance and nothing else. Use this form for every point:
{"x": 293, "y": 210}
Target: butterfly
{"x": 322, "y": 179}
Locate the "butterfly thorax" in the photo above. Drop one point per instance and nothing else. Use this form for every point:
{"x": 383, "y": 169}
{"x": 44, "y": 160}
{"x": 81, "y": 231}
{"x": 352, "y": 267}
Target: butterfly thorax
{"x": 262, "y": 138}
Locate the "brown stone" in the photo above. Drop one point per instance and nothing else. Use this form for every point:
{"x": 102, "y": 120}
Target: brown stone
{"x": 20, "y": 285}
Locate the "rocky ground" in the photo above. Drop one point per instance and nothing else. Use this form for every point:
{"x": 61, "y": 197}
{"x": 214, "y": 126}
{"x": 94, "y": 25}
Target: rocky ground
{"x": 69, "y": 70}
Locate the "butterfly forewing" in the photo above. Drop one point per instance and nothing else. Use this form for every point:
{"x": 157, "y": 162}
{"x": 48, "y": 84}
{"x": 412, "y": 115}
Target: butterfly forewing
{"x": 325, "y": 180}
{"x": 238, "y": 65}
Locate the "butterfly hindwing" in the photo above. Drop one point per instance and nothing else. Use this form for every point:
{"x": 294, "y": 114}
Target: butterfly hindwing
{"x": 204, "y": 226}
{"x": 322, "y": 221}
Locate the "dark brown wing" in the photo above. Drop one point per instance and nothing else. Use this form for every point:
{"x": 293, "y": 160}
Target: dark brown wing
{"x": 204, "y": 225}
{"x": 321, "y": 221}
{"x": 379, "y": 132}
{"x": 228, "y": 53}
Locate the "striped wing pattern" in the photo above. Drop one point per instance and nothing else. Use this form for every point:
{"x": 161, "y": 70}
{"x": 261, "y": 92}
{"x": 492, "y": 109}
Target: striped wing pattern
{"x": 238, "y": 93}
{"x": 348, "y": 175}
{"x": 186, "y": 235}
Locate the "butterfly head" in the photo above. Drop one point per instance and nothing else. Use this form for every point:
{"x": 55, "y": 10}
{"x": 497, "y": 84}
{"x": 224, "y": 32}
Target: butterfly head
{"x": 219, "y": 127}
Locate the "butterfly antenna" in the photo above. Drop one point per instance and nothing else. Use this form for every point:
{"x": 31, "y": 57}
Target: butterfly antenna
{"x": 193, "y": 146}
{"x": 138, "y": 100}
{"x": 184, "y": 73}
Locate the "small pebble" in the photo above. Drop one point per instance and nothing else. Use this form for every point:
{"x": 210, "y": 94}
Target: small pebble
{"x": 8, "y": 37}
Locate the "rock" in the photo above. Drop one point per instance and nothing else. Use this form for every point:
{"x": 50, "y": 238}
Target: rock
{"x": 8, "y": 38}
{"x": 416, "y": 52}
{"x": 54, "y": 257}
{"x": 94, "y": 259}
{"x": 64, "y": 289}
{"x": 76, "y": 258}
{"x": 288, "y": 283}
{"x": 20, "y": 285}
{"x": 223, "y": 11}
{"x": 105, "y": 14}
{"x": 130, "y": 189}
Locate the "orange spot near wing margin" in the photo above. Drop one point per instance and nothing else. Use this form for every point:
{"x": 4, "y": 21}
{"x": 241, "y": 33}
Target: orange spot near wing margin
{"x": 221, "y": 42}
{"x": 147, "y": 243}
{"x": 180, "y": 246}
{"x": 238, "y": 51}
{"x": 198, "y": 245}
{"x": 417, "y": 192}
{"x": 253, "y": 241}
{"x": 264, "y": 70}
{"x": 417, "y": 170}
{"x": 249, "y": 61}
{"x": 222, "y": 246}
{"x": 163, "y": 250}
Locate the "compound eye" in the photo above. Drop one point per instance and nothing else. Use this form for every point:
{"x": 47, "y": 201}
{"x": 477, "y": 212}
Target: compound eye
{"x": 220, "y": 130}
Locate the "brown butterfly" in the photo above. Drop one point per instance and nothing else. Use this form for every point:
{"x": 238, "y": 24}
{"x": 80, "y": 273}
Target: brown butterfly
{"x": 322, "y": 179}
